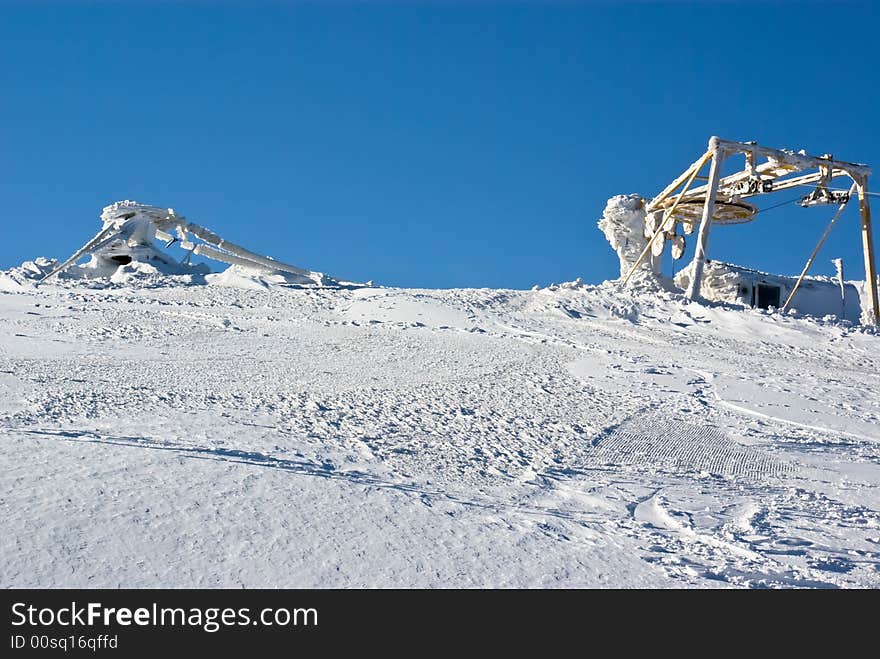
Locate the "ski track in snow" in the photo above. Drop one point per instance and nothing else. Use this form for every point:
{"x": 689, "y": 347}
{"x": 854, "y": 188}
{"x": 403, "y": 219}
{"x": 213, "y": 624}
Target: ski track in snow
{"x": 168, "y": 435}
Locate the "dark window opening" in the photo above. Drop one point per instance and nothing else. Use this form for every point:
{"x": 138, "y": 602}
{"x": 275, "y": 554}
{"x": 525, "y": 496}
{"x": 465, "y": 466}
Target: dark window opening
{"x": 767, "y": 296}
{"x": 121, "y": 259}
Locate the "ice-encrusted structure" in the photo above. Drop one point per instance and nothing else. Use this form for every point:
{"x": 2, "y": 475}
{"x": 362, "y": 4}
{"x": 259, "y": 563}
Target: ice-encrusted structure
{"x": 721, "y": 282}
{"x": 128, "y": 244}
{"x": 817, "y": 296}
{"x": 623, "y": 223}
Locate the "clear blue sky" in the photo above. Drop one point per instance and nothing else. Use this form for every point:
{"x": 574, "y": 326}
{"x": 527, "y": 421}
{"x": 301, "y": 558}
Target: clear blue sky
{"x": 421, "y": 144}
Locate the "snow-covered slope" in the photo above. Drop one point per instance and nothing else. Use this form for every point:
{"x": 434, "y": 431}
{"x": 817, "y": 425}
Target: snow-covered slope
{"x": 175, "y": 432}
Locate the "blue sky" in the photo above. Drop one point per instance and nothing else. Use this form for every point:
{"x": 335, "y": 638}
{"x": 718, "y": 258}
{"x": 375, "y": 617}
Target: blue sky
{"x": 421, "y": 144}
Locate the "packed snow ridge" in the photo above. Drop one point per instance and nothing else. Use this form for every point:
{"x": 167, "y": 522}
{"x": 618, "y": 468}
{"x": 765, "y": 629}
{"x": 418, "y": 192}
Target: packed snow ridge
{"x": 189, "y": 429}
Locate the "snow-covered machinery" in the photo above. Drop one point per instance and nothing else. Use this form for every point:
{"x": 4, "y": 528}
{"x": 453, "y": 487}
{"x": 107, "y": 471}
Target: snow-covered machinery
{"x": 721, "y": 200}
{"x": 131, "y": 230}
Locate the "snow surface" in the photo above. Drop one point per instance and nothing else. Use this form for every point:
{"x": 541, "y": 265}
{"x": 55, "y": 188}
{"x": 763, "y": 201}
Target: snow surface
{"x": 230, "y": 431}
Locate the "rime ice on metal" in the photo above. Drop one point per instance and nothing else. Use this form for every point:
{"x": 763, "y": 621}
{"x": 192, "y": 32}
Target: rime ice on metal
{"x": 131, "y": 230}
{"x": 722, "y": 200}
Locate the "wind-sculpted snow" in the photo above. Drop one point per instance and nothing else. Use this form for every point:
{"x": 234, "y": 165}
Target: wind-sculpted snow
{"x": 211, "y": 433}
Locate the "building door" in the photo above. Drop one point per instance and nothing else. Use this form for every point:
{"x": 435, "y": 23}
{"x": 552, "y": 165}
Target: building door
{"x": 766, "y": 296}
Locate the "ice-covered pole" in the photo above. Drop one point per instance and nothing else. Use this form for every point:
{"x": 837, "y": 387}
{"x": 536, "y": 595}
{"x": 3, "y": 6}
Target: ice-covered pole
{"x": 838, "y": 272}
{"x": 871, "y": 314}
{"x": 693, "y": 291}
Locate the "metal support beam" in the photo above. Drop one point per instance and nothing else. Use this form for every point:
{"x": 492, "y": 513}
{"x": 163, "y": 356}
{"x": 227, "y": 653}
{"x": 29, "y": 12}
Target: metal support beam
{"x": 816, "y": 251}
{"x": 694, "y": 170}
{"x": 693, "y": 291}
{"x": 669, "y": 189}
{"x": 765, "y": 170}
{"x": 873, "y": 315}
{"x": 796, "y": 181}
{"x": 799, "y": 160}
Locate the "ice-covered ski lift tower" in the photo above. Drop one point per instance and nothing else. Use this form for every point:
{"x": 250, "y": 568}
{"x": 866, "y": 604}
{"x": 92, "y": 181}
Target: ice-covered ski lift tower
{"x": 130, "y": 231}
{"x": 722, "y": 200}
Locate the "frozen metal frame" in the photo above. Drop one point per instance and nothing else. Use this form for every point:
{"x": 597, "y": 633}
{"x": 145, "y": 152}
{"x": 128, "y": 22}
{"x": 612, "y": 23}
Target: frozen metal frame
{"x": 780, "y": 170}
{"x": 136, "y": 224}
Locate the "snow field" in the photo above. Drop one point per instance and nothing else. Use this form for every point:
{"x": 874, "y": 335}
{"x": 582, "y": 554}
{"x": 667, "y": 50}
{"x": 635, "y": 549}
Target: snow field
{"x": 160, "y": 432}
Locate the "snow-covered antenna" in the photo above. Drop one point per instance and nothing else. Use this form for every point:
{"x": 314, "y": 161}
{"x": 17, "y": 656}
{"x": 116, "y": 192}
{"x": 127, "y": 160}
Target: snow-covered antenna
{"x": 838, "y": 275}
{"x": 131, "y": 229}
